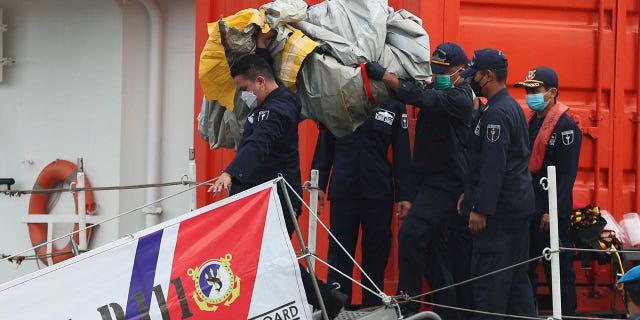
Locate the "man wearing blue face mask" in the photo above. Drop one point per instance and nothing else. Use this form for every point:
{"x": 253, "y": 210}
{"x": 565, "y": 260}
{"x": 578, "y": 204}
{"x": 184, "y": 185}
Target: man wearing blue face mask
{"x": 555, "y": 141}
{"x": 439, "y": 165}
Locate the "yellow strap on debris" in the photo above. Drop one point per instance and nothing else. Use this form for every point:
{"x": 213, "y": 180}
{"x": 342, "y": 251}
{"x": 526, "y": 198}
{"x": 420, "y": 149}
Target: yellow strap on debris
{"x": 296, "y": 49}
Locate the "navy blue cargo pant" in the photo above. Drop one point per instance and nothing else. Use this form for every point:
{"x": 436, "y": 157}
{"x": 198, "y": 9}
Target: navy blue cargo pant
{"x": 422, "y": 250}
{"x": 460, "y": 257}
{"x": 503, "y": 243}
{"x": 346, "y": 218}
{"x": 539, "y": 241}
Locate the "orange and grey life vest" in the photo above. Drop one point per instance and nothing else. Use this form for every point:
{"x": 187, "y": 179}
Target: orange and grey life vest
{"x": 542, "y": 140}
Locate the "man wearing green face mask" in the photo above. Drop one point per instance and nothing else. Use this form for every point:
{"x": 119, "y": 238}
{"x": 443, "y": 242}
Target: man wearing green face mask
{"x": 555, "y": 140}
{"x": 439, "y": 167}
{"x": 443, "y": 71}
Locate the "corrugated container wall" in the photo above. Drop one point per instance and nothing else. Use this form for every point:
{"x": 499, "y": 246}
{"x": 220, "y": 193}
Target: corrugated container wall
{"x": 592, "y": 44}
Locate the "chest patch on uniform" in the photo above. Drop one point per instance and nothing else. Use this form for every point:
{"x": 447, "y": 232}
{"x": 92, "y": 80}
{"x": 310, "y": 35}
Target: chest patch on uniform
{"x": 405, "y": 121}
{"x": 250, "y": 118}
{"x": 567, "y": 137}
{"x": 263, "y": 115}
{"x": 477, "y": 130}
{"x": 493, "y": 132}
{"x": 552, "y": 140}
{"x": 385, "y": 116}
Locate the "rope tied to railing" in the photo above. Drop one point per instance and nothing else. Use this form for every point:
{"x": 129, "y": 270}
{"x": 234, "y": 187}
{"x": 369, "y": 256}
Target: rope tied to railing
{"x": 71, "y": 188}
{"x": 6, "y": 258}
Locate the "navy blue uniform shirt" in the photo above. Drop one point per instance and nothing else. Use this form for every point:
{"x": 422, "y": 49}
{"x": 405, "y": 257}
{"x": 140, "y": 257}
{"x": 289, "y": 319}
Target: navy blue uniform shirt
{"x": 361, "y": 167}
{"x": 500, "y": 181}
{"x": 439, "y": 154}
{"x": 563, "y": 152}
{"x": 269, "y": 144}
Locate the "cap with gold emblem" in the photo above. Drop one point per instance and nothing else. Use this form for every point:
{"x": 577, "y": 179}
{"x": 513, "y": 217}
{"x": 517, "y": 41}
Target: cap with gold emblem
{"x": 540, "y": 76}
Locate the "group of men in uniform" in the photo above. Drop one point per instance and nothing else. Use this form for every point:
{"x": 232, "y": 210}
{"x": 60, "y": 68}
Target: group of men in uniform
{"x": 466, "y": 198}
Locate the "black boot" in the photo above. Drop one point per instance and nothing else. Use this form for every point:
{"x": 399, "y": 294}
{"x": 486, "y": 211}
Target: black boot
{"x": 334, "y": 303}
{"x": 408, "y": 310}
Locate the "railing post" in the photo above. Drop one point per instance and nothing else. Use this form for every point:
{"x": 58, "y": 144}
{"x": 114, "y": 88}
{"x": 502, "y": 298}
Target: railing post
{"x": 554, "y": 242}
{"x": 82, "y": 209}
{"x": 305, "y": 250}
{"x": 313, "y": 222}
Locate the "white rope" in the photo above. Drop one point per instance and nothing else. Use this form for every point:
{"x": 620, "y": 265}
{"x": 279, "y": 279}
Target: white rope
{"x": 333, "y": 237}
{"x": 506, "y": 315}
{"x": 106, "y": 220}
{"x": 348, "y": 277}
{"x": 476, "y": 311}
{"x": 599, "y": 250}
{"x": 302, "y": 256}
{"x": 74, "y": 189}
{"x": 478, "y": 277}
{"x": 587, "y": 318}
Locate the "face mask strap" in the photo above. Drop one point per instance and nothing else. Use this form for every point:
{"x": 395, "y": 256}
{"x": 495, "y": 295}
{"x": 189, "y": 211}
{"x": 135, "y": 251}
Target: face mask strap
{"x": 482, "y": 86}
{"x": 459, "y": 77}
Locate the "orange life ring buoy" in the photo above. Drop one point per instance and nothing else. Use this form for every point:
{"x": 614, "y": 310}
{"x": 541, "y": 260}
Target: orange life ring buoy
{"x": 59, "y": 171}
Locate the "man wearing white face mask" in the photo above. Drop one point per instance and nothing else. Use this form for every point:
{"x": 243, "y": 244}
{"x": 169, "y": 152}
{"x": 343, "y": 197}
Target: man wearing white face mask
{"x": 555, "y": 141}
{"x": 269, "y": 146}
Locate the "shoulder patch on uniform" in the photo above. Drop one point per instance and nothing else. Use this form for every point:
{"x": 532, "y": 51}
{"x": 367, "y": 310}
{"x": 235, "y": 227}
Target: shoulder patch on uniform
{"x": 405, "y": 121}
{"x": 250, "y": 118}
{"x": 493, "y": 132}
{"x": 263, "y": 115}
{"x": 552, "y": 140}
{"x": 385, "y": 116}
{"x": 567, "y": 137}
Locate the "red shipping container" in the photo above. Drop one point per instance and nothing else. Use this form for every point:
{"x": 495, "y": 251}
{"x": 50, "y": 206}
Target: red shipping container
{"x": 594, "y": 45}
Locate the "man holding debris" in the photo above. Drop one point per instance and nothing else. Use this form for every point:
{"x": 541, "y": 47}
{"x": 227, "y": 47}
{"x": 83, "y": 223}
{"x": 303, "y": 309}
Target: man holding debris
{"x": 362, "y": 192}
{"x": 269, "y": 146}
{"x": 440, "y": 164}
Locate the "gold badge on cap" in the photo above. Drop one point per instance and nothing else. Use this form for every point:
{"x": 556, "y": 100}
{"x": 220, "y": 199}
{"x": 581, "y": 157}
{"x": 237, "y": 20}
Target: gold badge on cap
{"x": 531, "y": 75}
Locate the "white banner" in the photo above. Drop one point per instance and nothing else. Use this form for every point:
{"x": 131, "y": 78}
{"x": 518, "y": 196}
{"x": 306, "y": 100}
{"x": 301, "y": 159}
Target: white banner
{"x": 230, "y": 260}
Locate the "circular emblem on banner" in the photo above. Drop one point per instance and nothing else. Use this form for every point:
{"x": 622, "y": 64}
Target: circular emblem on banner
{"x": 215, "y": 283}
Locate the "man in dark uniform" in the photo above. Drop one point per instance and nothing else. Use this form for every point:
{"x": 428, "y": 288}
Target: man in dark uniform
{"x": 362, "y": 193}
{"x": 269, "y": 146}
{"x": 440, "y": 164}
{"x": 555, "y": 140}
{"x": 499, "y": 195}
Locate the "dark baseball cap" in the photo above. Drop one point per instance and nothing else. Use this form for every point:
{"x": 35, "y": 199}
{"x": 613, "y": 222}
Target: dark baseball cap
{"x": 540, "y": 76}
{"x": 485, "y": 59}
{"x": 446, "y": 55}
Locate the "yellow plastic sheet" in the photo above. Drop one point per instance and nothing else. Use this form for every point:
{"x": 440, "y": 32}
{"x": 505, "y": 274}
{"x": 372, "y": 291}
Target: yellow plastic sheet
{"x": 214, "y": 73}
